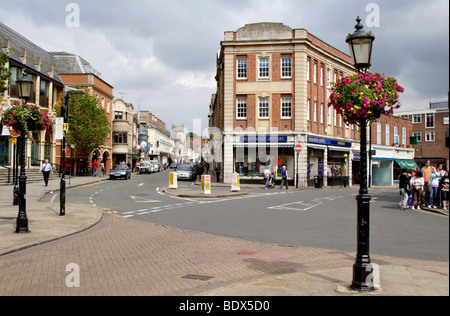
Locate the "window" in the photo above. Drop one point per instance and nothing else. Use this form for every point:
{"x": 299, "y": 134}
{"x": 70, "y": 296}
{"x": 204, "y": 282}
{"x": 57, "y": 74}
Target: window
{"x": 315, "y": 73}
{"x": 335, "y": 117}
{"x": 120, "y": 138}
{"x": 429, "y": 120}
{"x": 388, "y": 135}
{"x": 321, "y": 112}
{"x": 417, "y": 118}
{"x": 264, "y": 67}
{"x": 43, "y": 93}
{"x": 118, "y": 115}
{"x": 379, "y": 133}
{"x": 286, "y": 67}
{"x": 403, "y": 135}
{"x": 329, "y": 78}
{"x": 321, "y": 76}
{"x": 308, "y": 75}
{"x": 263, "y": 112}
{"x": 418, "y": 136}
{"x": 242, "y": 68}
{"x": 315, "y": 111}
{"x": 328, "y": 116}
{"x": 286, "y": 108}
{"x": 241, "y": 111}
{"x": 429, "y": 136}
{"x": 308, "y": 110}
{"x": 396, "y": 136}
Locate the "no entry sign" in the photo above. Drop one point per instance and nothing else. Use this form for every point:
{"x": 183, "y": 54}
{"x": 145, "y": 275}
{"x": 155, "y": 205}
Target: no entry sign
{"x": 298, "y": 148}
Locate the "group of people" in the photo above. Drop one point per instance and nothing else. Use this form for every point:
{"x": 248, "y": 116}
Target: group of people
{"x": 95, "y": 167}
{"x": 424, "y": 187}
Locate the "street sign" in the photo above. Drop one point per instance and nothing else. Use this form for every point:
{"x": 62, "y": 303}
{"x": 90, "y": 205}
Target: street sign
{"x": 298, "y": 148}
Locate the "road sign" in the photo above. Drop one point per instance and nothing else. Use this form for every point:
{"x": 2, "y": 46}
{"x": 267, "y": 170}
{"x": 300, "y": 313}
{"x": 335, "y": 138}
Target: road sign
{"x": 298, "y": 148}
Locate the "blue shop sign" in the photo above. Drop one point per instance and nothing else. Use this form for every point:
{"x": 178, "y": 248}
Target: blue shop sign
{"x": 264, "y": 139}
{"x": 332, "y": 142}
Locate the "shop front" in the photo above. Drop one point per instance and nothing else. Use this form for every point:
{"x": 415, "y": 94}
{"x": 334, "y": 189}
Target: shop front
{"x": 328, "y": 162}
{"x": 254, "y": 154}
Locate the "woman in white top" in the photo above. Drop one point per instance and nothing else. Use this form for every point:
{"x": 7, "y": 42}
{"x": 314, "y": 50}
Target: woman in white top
{"x": 417, "y": 183}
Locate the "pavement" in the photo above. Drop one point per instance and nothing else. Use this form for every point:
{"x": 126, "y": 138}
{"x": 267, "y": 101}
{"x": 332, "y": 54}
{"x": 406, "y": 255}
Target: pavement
{"x": 120, "y": 256}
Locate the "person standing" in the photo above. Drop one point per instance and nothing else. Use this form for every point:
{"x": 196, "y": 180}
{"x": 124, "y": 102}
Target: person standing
{"x": 94, "y": 167}
{"x": 426, "y": 170}
{"x": 417, "y": 186}
{"x": 267, "y": 175}
{"x": 218, "y": 171}
{"x": 445, "y": 190}
{"x": 46, "y": 169}
{"x": 102, "y": 169}
{"x": 433, "y": 181}
{"x": 404, "y": 188}
{"x": 284, "y": 178}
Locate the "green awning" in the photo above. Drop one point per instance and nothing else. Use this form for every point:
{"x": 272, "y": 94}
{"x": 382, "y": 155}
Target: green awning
{"x": 406, "y": 163}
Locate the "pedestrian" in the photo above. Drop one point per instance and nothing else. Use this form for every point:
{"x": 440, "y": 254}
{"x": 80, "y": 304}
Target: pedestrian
{"x": 445, "y": 190}
{"x": 417, "y": 184}
{"x": 218, "y": 171}
{"x": 102, "y": 169}
{"x": 94, "y": 167}
{"x": 46, "y": 169}
{"x": 267, "y": 175}
{"x": 404, "y": 188}
{"x": 410, "y": 197}
{"x": 434, "y": 185}
{"x": 441, "y": 172}
{"x": 284, "y": 178}
{"x": 426, "y": 169}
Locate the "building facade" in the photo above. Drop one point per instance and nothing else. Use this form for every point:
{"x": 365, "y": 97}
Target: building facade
{"x": 47, "y": 86}
{"x": 122, "y": 132}
{"x": 430, "y": 129}
{"x": 273, "y": 86}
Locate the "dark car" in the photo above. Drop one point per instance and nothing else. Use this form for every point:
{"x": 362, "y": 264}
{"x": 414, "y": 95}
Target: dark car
{"x": 173, "y": 166}
{"x": 120, "y": 171}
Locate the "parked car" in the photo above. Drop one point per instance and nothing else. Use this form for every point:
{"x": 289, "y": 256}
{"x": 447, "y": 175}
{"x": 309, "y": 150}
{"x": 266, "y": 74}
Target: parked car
{"x": 144, "y": 167}
{"x": 120, "y": 171}
{"x": 186, "y": 172}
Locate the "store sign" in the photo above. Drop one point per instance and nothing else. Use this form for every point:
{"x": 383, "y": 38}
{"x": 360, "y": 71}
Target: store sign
{"x": 264, "y": 139}
{"x": 331, "y": 142}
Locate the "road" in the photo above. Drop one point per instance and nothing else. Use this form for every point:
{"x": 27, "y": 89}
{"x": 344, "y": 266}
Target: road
{"x": 313, "y": 218}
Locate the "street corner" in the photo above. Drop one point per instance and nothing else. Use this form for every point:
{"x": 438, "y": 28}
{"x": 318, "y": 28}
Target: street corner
{"x": 199, "y": 194}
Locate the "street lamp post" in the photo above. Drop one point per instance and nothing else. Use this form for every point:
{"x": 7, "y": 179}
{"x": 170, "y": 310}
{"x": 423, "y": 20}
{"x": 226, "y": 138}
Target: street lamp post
{"x": 25, "y": 86}
{"x": 65, "y": 115}
{"x": 360, "y": 44}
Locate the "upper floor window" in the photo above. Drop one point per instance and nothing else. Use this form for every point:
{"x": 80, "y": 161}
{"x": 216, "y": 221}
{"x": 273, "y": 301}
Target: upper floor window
{"x": 315, "y": 73}
{"x": 429, "y": 123}
{"x": 263, "y": 112}
{"x": 286, "y": 108}
{"x": 417, "y": 118}
{"x": 120, "y": 138}
{"x": 242, "y": 68}
{"x": 263, "y": 67}
{"x": 308, "y": 76}
{"x": 118, "y": 115}
{"x": 241, "y": 108}
{"x": 286, "y": 67}
{"x": 43, "y": 93}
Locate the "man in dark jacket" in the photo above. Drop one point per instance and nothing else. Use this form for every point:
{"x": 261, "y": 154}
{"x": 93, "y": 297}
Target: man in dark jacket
{"x": 403, "y": 184}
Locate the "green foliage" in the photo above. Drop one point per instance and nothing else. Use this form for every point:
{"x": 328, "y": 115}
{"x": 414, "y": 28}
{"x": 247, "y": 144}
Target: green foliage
{"x": 88, "y": 124}
{"x": 5, "y": 72}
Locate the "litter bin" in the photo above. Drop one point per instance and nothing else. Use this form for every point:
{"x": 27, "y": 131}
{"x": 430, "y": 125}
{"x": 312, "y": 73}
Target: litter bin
{"x": 318, "y": 182}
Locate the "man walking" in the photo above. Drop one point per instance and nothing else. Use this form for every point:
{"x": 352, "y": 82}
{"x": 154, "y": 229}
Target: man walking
{"x": 284, "y": 178}
{"x": 218, "y": 171}
{"x": 94, "y": 167}
{"x": 46, "y": 168}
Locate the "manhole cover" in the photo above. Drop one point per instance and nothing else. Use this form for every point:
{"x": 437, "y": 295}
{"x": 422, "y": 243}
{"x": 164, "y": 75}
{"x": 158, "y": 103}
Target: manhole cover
{"x": 197, "y": 277}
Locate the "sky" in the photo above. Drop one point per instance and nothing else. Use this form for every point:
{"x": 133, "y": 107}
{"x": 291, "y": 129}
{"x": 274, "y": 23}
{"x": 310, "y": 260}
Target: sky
{"x": 161, "y": 55}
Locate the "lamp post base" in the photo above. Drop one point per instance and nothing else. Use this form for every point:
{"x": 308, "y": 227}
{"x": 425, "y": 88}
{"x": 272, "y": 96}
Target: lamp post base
{"x": 363, "y": 275}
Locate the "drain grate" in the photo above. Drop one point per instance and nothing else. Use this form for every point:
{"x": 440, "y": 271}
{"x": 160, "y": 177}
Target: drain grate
{"x": 198, "y": 277}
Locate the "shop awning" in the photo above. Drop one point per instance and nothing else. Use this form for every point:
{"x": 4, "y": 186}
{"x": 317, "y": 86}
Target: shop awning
{"x": 406, "y": 163}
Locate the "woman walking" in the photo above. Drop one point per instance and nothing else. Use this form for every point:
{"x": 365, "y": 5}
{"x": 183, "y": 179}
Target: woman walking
{"x": 445, "y": 190}
{"x": 434, "y": 184}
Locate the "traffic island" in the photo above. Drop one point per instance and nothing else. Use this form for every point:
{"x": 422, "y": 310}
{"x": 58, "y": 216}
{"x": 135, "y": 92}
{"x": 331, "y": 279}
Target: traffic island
{"x": 196, "y": 194}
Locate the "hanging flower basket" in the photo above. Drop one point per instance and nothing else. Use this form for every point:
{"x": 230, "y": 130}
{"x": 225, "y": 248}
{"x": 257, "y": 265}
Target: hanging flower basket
{"x": 365, "y": 96}
{"x": 26, "y": 118}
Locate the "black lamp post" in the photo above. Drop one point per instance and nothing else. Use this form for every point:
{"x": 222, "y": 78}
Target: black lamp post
{"x": 65, "y": 114}
{"x": 25, "y": 86}
{"x": 360, "y": 43}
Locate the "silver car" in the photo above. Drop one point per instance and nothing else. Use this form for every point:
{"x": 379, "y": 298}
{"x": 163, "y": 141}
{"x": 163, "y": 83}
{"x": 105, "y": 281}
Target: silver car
{"x": 186, "y": 172}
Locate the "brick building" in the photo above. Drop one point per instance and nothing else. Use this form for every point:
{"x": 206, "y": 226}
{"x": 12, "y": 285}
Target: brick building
{"x": 430, "y": 127}
{"x": 273, "y": 86}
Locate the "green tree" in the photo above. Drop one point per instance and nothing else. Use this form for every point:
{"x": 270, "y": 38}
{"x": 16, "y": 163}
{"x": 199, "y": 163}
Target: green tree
{"x": 88, "y": 124}
{"x": 5, "y": 72}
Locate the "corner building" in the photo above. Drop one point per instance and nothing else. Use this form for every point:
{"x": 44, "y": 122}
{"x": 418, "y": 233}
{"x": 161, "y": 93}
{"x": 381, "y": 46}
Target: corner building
{"x": 273, "y": 86}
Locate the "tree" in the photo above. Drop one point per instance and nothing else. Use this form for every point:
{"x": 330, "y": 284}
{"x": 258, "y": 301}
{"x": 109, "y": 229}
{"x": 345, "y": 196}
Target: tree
{"x": 5, "y": 72}
{"x": 88, "y": 124}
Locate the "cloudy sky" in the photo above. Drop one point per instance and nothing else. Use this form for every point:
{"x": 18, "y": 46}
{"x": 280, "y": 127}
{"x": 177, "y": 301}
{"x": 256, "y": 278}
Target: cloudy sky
{"x": 160, "y": 55}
